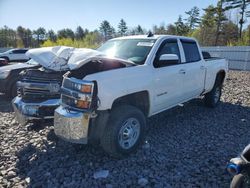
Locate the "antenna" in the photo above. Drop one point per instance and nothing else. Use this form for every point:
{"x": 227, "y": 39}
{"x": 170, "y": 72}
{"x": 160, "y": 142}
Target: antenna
{"x": 150, "y": 34}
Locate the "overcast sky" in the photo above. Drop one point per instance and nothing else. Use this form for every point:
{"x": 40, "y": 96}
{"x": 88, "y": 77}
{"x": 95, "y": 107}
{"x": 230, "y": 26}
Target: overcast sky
{"x": 58, "y": 14}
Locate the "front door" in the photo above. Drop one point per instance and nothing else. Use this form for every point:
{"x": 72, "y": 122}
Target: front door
{"x": 167, "y": 78}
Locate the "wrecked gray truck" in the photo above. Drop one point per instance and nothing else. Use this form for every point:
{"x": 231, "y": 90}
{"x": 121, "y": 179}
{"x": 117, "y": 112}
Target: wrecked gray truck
{"x": 39, "y": 89}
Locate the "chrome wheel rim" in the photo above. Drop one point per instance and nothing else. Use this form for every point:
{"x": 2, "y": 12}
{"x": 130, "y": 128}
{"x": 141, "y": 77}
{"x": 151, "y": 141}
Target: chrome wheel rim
{"x": 217, "y": 94}
{"x": 129, "y": 133}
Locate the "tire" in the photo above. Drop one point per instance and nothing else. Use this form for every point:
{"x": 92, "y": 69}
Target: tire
{"x": 6, "y": 58}
{"x": 124, "y": 132}
{"x": 212, "y": 99}
{"x": 238, "y": 181}
{"x": 12, "y": 90}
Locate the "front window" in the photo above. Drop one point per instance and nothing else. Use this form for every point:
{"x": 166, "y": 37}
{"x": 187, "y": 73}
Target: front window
{"x": 135, "y": 50}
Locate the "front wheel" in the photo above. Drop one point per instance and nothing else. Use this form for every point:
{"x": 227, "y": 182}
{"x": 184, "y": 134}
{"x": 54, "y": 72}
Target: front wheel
{"x": 124, "y": 132}
{"x": 238, "y": 181}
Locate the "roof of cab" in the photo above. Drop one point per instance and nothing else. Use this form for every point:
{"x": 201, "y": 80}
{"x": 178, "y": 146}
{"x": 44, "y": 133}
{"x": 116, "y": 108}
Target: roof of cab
{"x": 155, "y": 37}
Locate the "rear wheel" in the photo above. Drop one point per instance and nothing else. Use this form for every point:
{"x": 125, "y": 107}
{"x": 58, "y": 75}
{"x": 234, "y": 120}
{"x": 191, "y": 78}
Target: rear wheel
{"x": 6, "y": 58}
{"x": 212, "y": 98}
{"x": 124, "y": 132}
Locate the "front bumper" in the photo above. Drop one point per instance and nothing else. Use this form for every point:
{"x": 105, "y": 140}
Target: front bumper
{"x": 26, "y": 112}
{"x": 72, "y": 126}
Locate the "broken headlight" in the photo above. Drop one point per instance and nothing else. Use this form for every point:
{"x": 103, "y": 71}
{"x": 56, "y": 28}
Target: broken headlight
{"x": 77, "y": 93}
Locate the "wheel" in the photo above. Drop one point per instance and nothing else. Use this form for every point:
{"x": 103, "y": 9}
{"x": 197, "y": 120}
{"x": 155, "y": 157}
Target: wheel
{"x": 6, "y": 58}
{"x": 212, "y": 98}
{"x": 12, "y": 90}
{"x": 124, "y": 132}
{"x": 238, "y": 181}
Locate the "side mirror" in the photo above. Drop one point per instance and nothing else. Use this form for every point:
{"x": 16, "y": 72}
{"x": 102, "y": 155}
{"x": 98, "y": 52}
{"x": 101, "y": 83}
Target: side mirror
{"x": 169, "y": 59}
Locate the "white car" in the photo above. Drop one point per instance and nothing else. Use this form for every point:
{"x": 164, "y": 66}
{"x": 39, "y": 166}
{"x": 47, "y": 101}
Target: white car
{"x": 15, "y": 55}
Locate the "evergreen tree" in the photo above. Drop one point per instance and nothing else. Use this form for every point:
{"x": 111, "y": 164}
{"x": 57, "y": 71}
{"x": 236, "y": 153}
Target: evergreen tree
{"x": 40, "y": 35}
{"x": 161, "y": 30}
{"x": 193, "y": 19}
{"x": 220, "y": 18}
{"x": 66, "y": 33}
{"x": 171, "y": 29}
{"x": 122, "y": 28}
{"x": 107, "y": 30}
{"x": 51, "y": 35}
{"x": 181, "y": 28}
{"x": 208, "y": 26}
{"x": 242, "y": 5}
{"x": 139, "y": 30}
{"x": 79, "y": 34}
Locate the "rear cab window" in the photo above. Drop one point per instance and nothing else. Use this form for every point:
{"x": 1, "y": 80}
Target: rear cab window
{"x": 191, "y": 50}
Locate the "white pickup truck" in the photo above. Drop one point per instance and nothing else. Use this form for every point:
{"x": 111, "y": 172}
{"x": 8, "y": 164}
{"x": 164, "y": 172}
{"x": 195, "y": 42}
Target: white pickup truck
{"x": 107, "y": 100}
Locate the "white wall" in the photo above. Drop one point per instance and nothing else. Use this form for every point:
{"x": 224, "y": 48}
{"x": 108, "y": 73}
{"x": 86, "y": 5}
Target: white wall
{"x": 237, "y": 56}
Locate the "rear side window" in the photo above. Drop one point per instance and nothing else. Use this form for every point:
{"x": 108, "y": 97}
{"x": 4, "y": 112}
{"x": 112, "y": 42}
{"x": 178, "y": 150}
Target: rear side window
{"x": 191, "y": 51}
{"x": 19, "y": 51}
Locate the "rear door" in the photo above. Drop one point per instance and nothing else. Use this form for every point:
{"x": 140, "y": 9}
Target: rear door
{"x": 167, "y": 79}
{"x": 19, "y": 55}
{"x": 193, "y": 69}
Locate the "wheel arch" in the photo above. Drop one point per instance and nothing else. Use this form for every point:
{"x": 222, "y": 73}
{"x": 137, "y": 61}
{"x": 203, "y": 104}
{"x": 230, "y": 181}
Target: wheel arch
{"x": 5, "y": 57}
{"x": 140, "y": 99}
{"x": 221, "y": 75}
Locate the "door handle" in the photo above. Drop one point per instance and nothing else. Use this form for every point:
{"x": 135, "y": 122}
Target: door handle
{"x": 182, "y": 71}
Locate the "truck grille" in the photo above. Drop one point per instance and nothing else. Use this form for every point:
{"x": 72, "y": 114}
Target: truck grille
{"x": 39, "y": 85}
{"x": 70, "y": 94}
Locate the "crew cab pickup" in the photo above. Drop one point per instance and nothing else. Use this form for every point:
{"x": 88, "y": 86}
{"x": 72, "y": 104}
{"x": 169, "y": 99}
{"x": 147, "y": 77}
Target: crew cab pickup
{"x": 107, "y": 94}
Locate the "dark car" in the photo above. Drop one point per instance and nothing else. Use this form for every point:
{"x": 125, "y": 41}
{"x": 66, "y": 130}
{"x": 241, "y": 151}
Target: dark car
{"x": 3, "y": 62}
{"x": 9, "y": 75}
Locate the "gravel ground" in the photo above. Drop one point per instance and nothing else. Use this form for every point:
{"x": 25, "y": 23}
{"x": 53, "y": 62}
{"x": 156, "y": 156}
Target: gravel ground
{"x": 187, "y": 146}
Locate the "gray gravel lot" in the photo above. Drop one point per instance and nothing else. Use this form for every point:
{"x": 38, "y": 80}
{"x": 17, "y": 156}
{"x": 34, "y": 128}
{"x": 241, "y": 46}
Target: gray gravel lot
{"x": 186, "y": 146}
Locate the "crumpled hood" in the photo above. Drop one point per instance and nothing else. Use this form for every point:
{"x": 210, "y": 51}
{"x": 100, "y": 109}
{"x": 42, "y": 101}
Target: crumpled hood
{"x": 62, "y": 58}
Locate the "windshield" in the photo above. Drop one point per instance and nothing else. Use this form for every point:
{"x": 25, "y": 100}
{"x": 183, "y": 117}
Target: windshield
{"x": 32, "y": 62}
{"x": 135, "y": 50}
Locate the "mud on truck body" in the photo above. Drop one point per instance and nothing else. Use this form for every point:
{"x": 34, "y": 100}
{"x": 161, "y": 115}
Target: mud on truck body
{"x": 107, "y": 94}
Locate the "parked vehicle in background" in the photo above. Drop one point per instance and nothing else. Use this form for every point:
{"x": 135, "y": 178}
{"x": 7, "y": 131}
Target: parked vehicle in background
{"x": 17, "y": 54}
{"x": 38, "y": 89}
{"x": 9, "y": 75}
{"x": 107, "y": 94}
{"x": 239, "y": 167}
{"x": 3, "y": 62}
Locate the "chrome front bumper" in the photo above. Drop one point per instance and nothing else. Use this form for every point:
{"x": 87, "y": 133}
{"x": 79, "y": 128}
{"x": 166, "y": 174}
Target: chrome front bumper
{"x": 71, "y": 126}
{"x": 26, "y": 112}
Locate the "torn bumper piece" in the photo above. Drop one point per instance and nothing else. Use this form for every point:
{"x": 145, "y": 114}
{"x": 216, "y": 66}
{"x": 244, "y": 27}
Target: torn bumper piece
{"x": 26, "y": 112}
{"x": 71, "y": 126}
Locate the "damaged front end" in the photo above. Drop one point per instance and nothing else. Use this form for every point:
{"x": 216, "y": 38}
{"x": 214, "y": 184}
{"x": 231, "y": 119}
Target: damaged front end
{"x": 38, "y": 95}
{"x": 78, "y": 102}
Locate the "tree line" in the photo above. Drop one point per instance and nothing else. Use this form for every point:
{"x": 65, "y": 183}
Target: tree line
{"x": 220, "y": 25}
